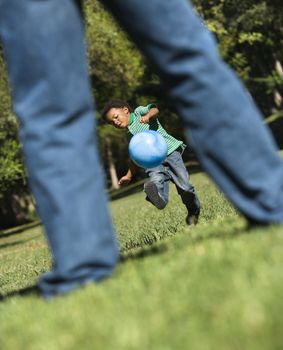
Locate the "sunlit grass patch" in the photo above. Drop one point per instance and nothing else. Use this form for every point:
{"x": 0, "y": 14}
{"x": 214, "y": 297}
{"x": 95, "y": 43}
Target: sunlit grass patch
{"x": 213, "y": 286}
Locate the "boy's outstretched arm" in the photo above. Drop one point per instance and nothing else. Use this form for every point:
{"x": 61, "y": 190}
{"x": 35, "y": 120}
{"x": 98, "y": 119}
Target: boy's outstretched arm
{"x": 130, "y": 173}
{"x": 151, "y": 114}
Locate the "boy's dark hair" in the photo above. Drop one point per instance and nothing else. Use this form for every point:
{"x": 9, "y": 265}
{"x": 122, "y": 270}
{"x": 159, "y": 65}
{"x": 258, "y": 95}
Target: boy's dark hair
{"x": 115, "y": 103}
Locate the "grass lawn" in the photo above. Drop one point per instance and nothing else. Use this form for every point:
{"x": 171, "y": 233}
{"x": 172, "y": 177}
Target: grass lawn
{"x": 213, "y": 286}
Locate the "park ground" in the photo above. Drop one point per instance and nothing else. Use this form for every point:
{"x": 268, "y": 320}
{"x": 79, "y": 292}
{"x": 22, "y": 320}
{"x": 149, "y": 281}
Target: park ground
{"x": 214, "y": 286}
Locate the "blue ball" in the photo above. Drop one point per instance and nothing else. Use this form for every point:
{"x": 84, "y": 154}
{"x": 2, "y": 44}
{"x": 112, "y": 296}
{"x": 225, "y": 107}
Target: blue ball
{"x": 148, "y": 149}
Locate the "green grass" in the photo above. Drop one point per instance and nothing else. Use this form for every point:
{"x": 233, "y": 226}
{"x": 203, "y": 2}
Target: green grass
{"x": 214, "y": 286}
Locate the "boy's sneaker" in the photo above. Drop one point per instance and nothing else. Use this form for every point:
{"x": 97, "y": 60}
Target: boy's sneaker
{"x": 192, "y": 219}
{"x": 153, "y": 196}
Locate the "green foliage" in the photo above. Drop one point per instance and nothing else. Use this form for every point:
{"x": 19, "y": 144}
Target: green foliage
{"x": 115, "y": 64}
{"x": 116, "y": 69}
{"x": 10, "y": 170}
{"x": 11, "y": 166}
{"x": 5, "y": 105}
{"x": 14, "y": 198}
{"x": 250, "y": 39}
{"x": 216, "y": 286}
{"x": 248, "y": 33}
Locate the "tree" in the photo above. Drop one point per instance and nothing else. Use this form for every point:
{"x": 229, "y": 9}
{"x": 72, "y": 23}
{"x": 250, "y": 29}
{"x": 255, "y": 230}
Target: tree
{"x": 250, "y": 40}
{"x": 116, "y": 66}
{"x": 15, "y": 200}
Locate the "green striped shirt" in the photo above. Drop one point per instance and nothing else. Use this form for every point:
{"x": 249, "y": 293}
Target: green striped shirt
{"x": 135, "y": 127}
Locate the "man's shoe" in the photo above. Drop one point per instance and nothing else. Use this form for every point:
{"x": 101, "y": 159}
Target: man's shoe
{"x": 192, "y": 219}
{"x": 153, "y": 196}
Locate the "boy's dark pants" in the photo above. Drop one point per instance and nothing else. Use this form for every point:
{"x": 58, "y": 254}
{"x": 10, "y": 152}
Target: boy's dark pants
{"x": 173, "y": 168}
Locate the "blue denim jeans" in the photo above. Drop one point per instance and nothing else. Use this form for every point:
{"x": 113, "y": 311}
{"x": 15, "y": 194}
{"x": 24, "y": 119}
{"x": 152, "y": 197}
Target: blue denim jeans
{"x": 43, "y": 44}
{"x": 173, "y": 169}
{"x": 45, "y": 52}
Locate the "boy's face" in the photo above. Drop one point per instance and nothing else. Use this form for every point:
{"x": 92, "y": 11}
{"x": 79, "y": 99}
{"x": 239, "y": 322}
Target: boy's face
{"x": 118, "y": 117}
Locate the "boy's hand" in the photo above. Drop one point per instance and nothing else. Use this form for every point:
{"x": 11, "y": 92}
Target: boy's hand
{"x": 124, "y": 180}
{"x": 152, "y": 113}
{"x": 144, "y": 119}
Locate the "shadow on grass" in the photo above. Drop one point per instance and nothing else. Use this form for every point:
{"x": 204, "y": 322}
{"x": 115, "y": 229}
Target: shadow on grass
{"x": 22, "y": 241}
{"x": 143, "y": 252}
{"x": 28, "y": 291}
{"x": 127, "y": 190}
{"x": 232, "y": 232}
{"x": 154, "y": 246}
{"x": 19, "y": 229}
{"x": 7, "y": 245}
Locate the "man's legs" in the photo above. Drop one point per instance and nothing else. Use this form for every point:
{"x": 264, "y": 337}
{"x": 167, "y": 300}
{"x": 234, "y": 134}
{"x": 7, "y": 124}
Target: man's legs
{"x": 223, "y": 124}
{"x": 44, "y": 47}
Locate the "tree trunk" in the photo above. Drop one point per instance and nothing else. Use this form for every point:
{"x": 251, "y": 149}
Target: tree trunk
{"x": 277, "y": 95}
{"x": 16, "y": 207}
{"x": 111, "y": 165}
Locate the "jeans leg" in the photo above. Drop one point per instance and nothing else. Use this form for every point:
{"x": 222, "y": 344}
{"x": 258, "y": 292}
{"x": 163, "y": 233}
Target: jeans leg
{"x": 44, "y": 47}
{"x": 180, "y": 176}
{"x": 160, "y": 178}
{"x": 225, "y": 127}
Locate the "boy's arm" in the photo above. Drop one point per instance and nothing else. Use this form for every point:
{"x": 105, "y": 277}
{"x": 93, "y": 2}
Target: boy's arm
{"x": 129, "y": 175}
{"x": 152, "y": 113}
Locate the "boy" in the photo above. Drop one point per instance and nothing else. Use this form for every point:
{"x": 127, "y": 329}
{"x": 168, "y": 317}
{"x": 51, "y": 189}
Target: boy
{"x": 120, "y": 115}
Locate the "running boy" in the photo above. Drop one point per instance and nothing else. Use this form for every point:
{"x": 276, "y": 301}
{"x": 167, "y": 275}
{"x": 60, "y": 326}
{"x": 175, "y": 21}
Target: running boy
{"x": 120, "y": 115}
